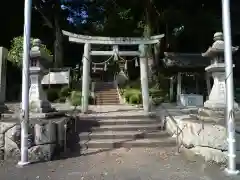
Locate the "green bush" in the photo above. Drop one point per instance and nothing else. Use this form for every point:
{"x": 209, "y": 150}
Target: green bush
{"x": 129, "y": 92}
{"x": 65, "y": 91}
{"x": 156, "y": 92}
{"x": 135, "y": 99}
{"x": 76, "y": 98}
{"x": 132, "y": 92}
{"x": 52, "y": 94}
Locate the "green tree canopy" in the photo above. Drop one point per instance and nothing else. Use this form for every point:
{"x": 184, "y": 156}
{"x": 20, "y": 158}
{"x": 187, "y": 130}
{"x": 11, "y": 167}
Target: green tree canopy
{"x": 16, "y": 50}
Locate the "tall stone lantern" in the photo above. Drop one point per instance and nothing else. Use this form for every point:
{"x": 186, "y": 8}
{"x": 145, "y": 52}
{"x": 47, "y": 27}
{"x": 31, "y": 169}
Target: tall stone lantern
{"x": 217, "y": 96}
{"x": 39, "y": 60}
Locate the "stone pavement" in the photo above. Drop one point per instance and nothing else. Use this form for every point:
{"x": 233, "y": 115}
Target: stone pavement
{"x": 118, "y": 164}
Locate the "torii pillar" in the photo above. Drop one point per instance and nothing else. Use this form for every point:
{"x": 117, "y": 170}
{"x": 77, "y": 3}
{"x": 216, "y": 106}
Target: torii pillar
{"x": 86, "y": 76}
{"x": 144, "y": 76}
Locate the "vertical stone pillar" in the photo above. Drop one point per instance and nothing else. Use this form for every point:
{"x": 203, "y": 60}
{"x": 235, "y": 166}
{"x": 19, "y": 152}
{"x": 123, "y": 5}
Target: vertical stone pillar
{"x": 207, "y": 77}
{"x": 37, "y": 97}
{"x": 179, "y": 86}
{"x": 144, "y": 77}
{"x": 85, "y": 77}
{"x": 3, "y": 68}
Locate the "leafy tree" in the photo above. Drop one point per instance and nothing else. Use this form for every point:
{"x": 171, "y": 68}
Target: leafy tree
{"x": 16, "y": 50}
{"x": 51, "y": 13}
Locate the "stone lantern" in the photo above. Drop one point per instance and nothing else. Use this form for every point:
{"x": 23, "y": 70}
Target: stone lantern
{"x": 39, "y": 60}
{"x": 217, "y": 98}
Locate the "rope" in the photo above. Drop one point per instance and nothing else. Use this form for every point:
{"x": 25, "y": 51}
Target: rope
{"x": 133, "y": 59}
{"x": 104, "y": 62}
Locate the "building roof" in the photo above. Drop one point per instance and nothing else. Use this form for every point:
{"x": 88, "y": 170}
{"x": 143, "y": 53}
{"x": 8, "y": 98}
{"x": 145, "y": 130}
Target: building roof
{"x": 185, "y": 60}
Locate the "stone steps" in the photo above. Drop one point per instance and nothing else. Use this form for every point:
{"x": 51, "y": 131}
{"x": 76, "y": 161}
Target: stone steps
{"x": 128, "y": 127}
{"x": 122, "y": 135}
{"x": 107, "y": 103}
{"x": 106, "y": 94}
{"x": 128, "y": 143}
{"x": 126, "y": 121}
{"x": 107, "y": 98}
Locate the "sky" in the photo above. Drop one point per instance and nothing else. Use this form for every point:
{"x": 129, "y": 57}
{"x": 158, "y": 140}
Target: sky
{"x": 76, "y": 16}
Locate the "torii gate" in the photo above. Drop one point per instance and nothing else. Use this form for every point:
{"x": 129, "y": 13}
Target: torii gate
{"x": 114, "y": 42}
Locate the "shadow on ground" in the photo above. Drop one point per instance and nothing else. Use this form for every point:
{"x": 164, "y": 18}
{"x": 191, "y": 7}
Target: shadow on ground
{"x": 119, "y": 110}
{"x": 86, "y": 124}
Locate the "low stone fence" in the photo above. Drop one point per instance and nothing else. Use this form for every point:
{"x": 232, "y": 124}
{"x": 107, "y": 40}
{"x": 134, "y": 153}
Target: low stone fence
{"x": 207, "y": 139}
{"x": 46, "y": 137}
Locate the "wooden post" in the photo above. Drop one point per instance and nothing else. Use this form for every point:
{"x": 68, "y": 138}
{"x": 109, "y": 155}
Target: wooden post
{"x": 179, "y": 86}
{"x": 85, "y": 77}
{"x": 144, "y": 77}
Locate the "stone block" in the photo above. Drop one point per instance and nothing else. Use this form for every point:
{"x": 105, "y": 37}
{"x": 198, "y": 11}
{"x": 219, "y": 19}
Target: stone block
{"x": 1, "y": 141}
{"x": 213, "y": 155}
{"x": 11, "y": 149}
{"x": 14, "y": 133}
{"x": 12, "y": 139}
{"x": 45, "y": 133}
{"x": 42, "y": 152}
{"x": 4, "y": 126}
{"x": 60, "y": 125}
{"x": 192, "y": 133}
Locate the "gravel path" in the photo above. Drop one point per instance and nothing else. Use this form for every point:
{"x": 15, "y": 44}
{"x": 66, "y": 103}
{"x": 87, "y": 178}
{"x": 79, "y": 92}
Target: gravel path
{"x": 120, "y": 164}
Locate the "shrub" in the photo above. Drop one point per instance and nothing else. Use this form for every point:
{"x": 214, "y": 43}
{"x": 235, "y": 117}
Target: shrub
{"x": 65, "y": 91}
{"x": 76, "y": 98}
{"x": 52, "y": 94}
{"x": 135, "y": 99}
{"x": 130, "y": 92}
{"x": 156, "y": 92}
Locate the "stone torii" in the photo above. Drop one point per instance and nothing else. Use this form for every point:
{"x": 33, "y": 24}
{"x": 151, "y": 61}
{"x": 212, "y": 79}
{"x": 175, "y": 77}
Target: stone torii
{"x": 114, "y": 42}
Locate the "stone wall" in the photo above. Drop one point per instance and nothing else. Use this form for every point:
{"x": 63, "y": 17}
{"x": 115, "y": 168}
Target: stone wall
{"x": 207, "y": 139}
{"x": 46, "y": 137}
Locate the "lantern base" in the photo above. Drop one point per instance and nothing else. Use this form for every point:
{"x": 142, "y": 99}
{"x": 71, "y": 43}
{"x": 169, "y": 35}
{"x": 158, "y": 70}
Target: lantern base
{"x": 40, "y": 106}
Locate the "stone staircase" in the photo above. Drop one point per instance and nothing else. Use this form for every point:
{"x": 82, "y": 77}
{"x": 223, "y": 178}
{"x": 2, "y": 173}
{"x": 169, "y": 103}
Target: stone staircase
{"x": 106, "y": 93}
{"x": 122, "y": 129}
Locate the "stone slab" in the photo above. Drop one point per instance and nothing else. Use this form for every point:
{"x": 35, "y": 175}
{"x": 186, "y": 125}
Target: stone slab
{"x": 47, "y": 115}
{"x": 2, "y": 141}
{"x": 42, "y": 152}
{"x": 193, "y": 133}
{"x": 45, "y": 133}
{"x": 11, "y": 149}
{"x": 7, "y": 123}
{"x": 209, "y": 155}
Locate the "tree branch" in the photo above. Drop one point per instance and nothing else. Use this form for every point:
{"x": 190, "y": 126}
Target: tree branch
{"x": 47, "y": 21}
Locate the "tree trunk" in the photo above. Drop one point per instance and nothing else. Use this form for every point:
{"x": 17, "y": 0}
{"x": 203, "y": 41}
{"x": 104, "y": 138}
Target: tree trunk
{"x": 58, "y": 43}
{"x": 147, "y": 33}
{"x": 58, "y": 49}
